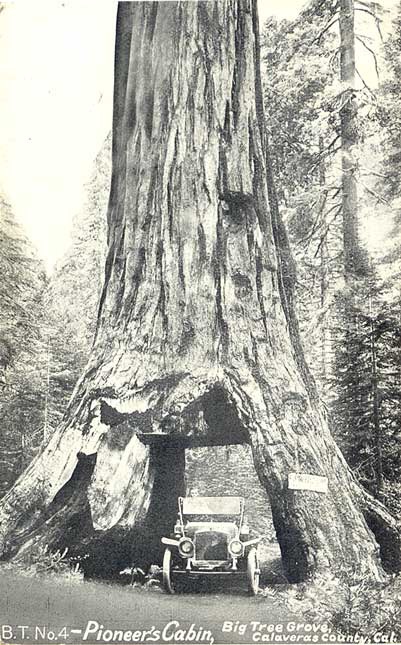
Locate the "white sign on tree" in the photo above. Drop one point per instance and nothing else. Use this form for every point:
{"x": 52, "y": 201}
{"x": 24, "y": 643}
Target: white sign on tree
{"x": 297, "y": 481}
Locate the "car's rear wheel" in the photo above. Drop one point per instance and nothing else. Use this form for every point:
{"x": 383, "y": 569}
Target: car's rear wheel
{"x": 167, "y": 567}
{"x": 253, "y": 572}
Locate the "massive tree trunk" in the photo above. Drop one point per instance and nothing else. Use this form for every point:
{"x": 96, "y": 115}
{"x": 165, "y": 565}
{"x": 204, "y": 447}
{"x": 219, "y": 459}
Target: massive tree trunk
{"x": 197, "y": 342}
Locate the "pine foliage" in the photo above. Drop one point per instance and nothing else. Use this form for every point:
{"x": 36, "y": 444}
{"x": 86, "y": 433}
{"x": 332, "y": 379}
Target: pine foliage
{"x": 22, "y": 353}
{"x": 351, "y": 327}
{"x": 47, "y": 326}
{"x": 74, "y": 290}
{"x": 366, "y": 409}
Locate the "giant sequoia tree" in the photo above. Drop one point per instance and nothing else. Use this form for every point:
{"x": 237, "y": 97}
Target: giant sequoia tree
{"x": 196, "y": 341}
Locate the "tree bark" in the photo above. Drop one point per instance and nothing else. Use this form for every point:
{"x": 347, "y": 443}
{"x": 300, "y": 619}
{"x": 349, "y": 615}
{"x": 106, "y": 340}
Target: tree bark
{"x": 197, "y": 340}
{"x": 349, "y": 139}
{"x": 324, "y": 276}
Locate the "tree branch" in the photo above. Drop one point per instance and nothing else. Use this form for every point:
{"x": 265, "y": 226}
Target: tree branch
{"x": 378, "y": 197}
{"x": 326, "y": 152}
{"x": 322, "y": 239}
{"x": 375, "y": 17}
{"x": 371, "y": 51}
{"x": 326, "y": 28}
{"x": 363, "y": 81}
{"x": 372, "y": 172}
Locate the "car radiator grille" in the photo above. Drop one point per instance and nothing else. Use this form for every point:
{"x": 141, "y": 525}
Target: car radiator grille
{"x": 211, "y": 545}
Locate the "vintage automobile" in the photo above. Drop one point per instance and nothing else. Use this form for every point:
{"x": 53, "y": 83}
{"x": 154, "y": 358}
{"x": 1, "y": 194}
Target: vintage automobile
{"x": 211, "y": 538}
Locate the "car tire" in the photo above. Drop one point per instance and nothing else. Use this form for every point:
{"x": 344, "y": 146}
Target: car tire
{"x": 253, "y": 572}
{"x": 167, "y": 567}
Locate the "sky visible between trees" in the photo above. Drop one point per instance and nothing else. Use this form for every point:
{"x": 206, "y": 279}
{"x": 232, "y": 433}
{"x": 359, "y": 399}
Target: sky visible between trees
{"x": 56, "y": 70}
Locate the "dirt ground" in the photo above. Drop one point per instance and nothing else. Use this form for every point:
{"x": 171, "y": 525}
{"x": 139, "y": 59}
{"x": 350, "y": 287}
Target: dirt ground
{"x": 57, "y": 610}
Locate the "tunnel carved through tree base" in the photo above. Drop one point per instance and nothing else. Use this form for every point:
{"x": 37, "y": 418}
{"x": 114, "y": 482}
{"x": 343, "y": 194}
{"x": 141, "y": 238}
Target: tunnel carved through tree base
{"x": 121, "y": 499}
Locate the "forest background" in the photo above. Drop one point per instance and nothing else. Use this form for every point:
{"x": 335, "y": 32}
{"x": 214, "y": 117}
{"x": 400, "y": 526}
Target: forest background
{"x": 332, "y": 100}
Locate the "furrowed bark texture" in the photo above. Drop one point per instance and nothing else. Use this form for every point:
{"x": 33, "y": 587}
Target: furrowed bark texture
{"x": 197, "y": 340}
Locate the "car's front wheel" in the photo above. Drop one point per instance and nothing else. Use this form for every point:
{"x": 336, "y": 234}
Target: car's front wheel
{"x": 167, "y": 567}
{"x": 253, "y": 572}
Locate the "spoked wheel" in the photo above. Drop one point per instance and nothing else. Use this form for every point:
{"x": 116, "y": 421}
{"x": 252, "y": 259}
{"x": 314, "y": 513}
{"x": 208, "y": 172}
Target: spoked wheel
{"x": 253, "y": 572}
{"x": 167, "y": 566}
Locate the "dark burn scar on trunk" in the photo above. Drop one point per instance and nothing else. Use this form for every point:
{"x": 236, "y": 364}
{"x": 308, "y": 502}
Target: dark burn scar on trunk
{"x": 242, "y": 284}
{"x": 202, "y": 245}
{"x": 187, "y": 336}
{"x": 237, "y": 207}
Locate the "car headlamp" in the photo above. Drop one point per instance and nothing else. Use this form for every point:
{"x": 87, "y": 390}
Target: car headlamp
{"x": 236, "y": 548}
{"x": 186, "y": 547}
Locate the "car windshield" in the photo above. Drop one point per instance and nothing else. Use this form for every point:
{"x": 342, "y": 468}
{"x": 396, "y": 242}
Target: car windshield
{"x": 211, "y": 505}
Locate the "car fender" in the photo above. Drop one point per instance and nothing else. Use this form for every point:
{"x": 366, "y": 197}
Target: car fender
{"x": 170, "y": 541}
{"x": 253, "y": 541}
